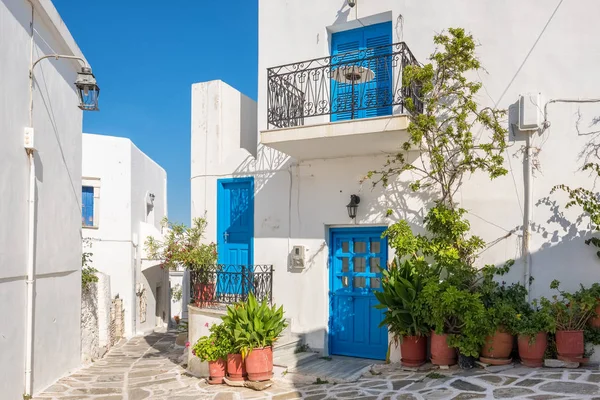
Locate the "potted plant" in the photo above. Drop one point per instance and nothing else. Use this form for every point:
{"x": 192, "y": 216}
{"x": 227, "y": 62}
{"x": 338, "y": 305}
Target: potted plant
{"x": 532, "y": 329}
{"x": 594, "y": 291}
{"x": 183, "y": 246}
{"x": 401, "y": 287}
{"x": 255, "y": 327}
{"x": 571, "y": 313}
{"x": 214, "y": 349}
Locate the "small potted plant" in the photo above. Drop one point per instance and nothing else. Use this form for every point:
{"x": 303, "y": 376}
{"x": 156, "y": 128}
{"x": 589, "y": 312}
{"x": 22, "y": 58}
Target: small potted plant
{"x": 532, "y": 329}
{"x": 401, "y": 287}
{"x": 571, "y": 313}
{"x": 256, "y": 326}
{"x": 214, "y": 349}
{"x": 594, "y": 291}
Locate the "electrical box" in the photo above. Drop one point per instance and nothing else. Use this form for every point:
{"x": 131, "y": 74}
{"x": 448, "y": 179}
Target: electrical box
{"x": 28, "y": 137}
{"x": 298, "y": 257}
{"x": 530, "y": 112}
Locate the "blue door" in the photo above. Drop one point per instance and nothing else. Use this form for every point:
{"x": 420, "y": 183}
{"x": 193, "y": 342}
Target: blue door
{"x": 235, "y": 235}
{"x": 355, "y": 257}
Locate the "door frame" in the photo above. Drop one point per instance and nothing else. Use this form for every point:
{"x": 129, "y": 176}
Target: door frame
{"x": 344, "y": 229}
{"x": 220, "y": 210}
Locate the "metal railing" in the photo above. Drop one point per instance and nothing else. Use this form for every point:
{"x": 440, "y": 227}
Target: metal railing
{"x": 358, "y": 84}
{"x": 228, "y": 284}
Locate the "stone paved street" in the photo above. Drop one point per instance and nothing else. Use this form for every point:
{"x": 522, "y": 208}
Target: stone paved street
{"x": 148, "y": 368}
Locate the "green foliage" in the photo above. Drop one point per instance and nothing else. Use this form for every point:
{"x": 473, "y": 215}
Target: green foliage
{"x": 183, "y": 246}
{"x": 177, "y": 292}
{"x": 448, "y": 133}
{"x": 504, "y": 304}
{"x": 253, "y": 325}
{"x": 216, "y": 346}
{"x": 88, "y": 273}
{"x": 571, "y": 311}
{"x": 401, "y": 287}
{"x": 538, "y": 318}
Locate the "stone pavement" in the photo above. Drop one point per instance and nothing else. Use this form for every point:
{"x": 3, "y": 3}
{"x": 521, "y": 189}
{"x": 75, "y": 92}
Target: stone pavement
{"x": 149, "y": 368}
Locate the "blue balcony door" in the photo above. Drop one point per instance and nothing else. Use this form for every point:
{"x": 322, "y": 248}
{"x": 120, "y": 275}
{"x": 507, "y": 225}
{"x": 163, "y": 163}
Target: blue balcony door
{"x": 355, "y": 257}
{"x": 235, "y": 234}
{"x": 368, "y": 48}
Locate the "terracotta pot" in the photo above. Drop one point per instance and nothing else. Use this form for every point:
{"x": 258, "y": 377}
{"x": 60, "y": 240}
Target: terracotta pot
{"x": 497, "y": 348}
{"x": 236, "y": 369}
{"x": 569, "y": 344}
{"x": 595, "y": 320}
{"x": 259, "y": 364}
{"x": 205, "y": 293}
{"x": 441, "y": 353}
{"x": 216, "y": 369}
{"x": 413, "y": 350}
{"x": 532, "y": 354}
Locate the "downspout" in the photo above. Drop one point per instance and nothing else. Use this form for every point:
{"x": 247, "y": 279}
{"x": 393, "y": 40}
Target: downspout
{"x": 527, "y": 211}
{"x": 30, "y": 235}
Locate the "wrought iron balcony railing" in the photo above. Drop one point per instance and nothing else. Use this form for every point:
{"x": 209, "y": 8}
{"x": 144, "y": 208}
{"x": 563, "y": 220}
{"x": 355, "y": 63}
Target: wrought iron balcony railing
{"x": 212, "y": 285}
{"x": 358, "y": 84}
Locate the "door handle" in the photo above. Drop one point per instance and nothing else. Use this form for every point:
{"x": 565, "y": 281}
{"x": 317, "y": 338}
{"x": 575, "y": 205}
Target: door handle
{"x": 226, "y": 236}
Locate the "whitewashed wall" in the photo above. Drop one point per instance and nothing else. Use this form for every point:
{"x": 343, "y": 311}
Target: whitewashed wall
{"x": 525, "y": 47}
{"x": 57, "y": 123}
{"x": 125, "y": 175}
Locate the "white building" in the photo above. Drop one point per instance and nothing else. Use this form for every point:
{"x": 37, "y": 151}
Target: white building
{"x": 124, "y": 199}
{"x": 291, "y": 165}
{"x": 40, "y": 242}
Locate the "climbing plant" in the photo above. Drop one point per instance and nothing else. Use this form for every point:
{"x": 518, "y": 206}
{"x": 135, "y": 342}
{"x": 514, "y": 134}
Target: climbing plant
{"x": 88, "y": 273}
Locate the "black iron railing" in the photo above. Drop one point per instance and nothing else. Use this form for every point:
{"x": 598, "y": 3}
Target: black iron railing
{"x": 357, "y": 84}
{"x": 228, "y": 284}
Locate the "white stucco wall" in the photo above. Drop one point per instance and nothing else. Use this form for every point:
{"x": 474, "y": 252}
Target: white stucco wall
{"x": 57, "y": 122}
{"x": 297, "y": 202}
{"x": 125, "y": 175}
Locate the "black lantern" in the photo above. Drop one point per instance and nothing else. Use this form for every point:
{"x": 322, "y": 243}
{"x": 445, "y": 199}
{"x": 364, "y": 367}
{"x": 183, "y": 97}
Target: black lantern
{"x": 87, "y": 90}
{"x": 351, "y": 3}
{"x": 353, "y": 205}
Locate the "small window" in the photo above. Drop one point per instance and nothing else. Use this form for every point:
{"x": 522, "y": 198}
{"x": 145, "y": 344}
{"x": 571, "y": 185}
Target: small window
{"x": 87, "y": 206}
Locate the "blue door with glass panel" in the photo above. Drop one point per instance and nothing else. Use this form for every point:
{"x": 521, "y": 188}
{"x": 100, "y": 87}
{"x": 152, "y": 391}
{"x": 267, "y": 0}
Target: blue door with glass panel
{"x": 361, "y": 69}
{"x": 355, "y": 257}
{"x": 235, "y": 235}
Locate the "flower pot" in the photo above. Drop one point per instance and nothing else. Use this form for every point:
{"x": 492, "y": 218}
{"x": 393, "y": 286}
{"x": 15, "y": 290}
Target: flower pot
{"x": 236, "y": 369}
{"x": 466, "y": 362}
{"x": 595, "y": 320}
{"x": 441, "y": 353}
{"x": 216, "y": 370}
{"x": 259, "y": 364}
{"x": 497, "y": 348}
{"x": 570, "y": 345}
{"x": 205, "y": 293}
{"x": 532, "y": 353}
{"x": 413, "y": 350}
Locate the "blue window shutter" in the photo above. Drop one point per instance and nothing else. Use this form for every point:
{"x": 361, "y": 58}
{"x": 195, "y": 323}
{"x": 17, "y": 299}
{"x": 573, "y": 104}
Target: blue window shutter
{"x": 344, "y": 49}
{"x": 379, "y": 92}
{"x": 87, "y": 205}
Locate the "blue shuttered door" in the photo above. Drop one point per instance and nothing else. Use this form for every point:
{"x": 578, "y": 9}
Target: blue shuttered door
{"x": 235, "y": 230}
{"x": 363, "y": 47}
{"x": 87, "y": 206}
{"x": 356, "y": 254}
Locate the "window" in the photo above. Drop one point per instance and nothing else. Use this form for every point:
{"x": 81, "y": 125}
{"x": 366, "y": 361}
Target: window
{"x": 90, "y": 197}
{"x": 366, "y": 50}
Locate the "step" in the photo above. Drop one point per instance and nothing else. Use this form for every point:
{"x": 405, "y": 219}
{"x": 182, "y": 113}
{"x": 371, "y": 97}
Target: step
{"x": 293, "y": 360}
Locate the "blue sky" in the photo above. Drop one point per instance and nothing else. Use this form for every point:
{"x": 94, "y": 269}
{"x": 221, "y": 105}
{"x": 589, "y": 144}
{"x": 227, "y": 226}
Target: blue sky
{"x": 146, "y": 54}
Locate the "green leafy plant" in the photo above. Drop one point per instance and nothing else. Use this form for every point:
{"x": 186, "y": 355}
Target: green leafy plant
{"x": 253, "y": 325}
{"x": 538, "y": 318}
{"x": 183, "y": 246}
{"x": 215, "y": 346}
{"x": 571, "y": 311}
{"x": 88, "y": 273}
{"x": 401, "y": 287}
{"x": 177, "y": 292}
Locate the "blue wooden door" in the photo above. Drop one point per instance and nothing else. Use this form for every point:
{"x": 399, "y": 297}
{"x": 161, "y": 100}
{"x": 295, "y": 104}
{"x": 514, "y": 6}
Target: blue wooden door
{"x": 355, "y": 257}
{"x": 235, "y": 235}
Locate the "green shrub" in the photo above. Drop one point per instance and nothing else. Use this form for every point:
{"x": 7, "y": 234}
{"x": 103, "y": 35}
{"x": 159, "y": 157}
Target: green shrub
{"x": 215, "y": 346}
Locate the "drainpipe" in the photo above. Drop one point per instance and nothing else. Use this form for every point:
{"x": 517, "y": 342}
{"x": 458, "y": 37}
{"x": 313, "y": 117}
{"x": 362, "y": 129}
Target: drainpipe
{"x": 527, "y": 195}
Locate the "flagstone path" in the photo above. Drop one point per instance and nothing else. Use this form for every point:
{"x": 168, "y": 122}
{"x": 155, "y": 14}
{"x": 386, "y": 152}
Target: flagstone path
{"x": 149, "y": 368}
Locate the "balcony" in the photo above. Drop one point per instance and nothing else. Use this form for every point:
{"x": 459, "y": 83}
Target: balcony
{"x": 348, "y": 104}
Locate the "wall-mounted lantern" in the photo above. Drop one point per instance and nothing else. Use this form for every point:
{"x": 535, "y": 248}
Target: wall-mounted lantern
{"x": 353, "y": 205}
{"x": 351, "y": 3}
{"x": 87, "y": 89}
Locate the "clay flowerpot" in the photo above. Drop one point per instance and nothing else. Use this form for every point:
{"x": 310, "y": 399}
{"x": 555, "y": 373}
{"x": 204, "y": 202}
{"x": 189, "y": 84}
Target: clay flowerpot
{"x": 570, "y": 345}
{"x": 216, "y": 369}
{"x": 532, "y": 353}
{"x": 236, "y": 369}
{"x": 413, "y": 350}
{"x": 497, "y": 348}
{"x": 259, "y": 364}
{"x": 205, "y": 293}
{"x": 441, "y": 353}
{"x": 595, "y": 320}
